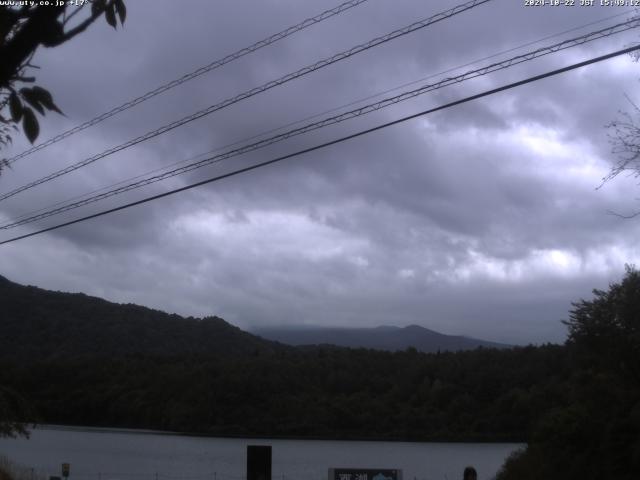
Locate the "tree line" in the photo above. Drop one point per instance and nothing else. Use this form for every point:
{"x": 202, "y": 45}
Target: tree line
{"x": 577, "y": 405}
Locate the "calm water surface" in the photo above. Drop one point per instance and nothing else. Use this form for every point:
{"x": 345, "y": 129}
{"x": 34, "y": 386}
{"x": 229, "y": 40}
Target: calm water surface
{"x": 97, "y": 454}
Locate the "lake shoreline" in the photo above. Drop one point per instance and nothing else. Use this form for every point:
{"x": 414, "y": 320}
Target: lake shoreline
{"x": 135, "y": 431}
{"x": 114, "y": 454}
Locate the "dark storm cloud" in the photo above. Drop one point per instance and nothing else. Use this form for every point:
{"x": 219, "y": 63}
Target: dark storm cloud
{"x": 480, "y": 220}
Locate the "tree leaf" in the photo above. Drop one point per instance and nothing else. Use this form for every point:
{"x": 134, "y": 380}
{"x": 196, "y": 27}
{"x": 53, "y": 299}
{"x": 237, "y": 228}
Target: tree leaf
{"x": 110, "y": 15}
{"x": 32, "y": 99}
{"x": 45, "y": 98}
{"x": 15, "y": 107}
{"x": 121, "y": 9}
{"x": 97, "y": 7}
{"x": 30, "y": 125}
{"x": 52, "y": 33}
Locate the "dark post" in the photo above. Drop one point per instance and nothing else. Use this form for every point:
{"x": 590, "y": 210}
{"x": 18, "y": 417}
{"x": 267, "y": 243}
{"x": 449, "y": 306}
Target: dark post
{"x": 258, "y": 462}
{"x": 66, "y": 468}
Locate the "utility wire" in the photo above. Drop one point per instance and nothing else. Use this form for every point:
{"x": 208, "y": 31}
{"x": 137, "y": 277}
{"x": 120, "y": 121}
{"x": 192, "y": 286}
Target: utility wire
{"x": 333, "y": 142}
{"x": 311, "y": 117}
{"x": 190, "y": 76}
{"x": 254, "y": 91}
{"x": 540, "y": 52}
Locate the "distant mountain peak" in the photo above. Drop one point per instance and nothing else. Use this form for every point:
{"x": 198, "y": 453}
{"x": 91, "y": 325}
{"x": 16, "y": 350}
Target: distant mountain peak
{"x": 417, "y": 328}
{"x": 384, "y": 337}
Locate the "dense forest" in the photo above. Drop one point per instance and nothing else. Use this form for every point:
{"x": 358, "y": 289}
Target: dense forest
{"x": 597, "y": 434}
{"x": 323, "y": 392}
{"x": 576, "y": 405}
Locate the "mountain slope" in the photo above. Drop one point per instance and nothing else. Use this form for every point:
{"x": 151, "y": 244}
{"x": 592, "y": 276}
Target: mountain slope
{"x": 380, "y": 338}
{"x": 42, "y": 324}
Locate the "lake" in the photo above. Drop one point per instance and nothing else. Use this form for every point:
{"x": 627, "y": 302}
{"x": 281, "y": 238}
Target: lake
{"x": 101, "y": 454}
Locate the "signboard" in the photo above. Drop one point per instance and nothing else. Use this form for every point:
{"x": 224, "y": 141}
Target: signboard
{"x": 364, "y": 474}
{"x": 66, "y": 467}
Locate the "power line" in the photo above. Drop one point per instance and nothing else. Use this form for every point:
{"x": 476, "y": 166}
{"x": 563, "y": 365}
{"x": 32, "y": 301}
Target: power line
{"x": 540, "y": 52}
{"x": 254, "y": 91}
{"x": 333, "y": 142}
{"x": 191, "y": 75}
{"x": 311, "y": 117}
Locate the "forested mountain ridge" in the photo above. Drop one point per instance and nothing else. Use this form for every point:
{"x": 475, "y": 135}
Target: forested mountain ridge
{"x": 131, "y": 366}
{"x": 38, "y": 324}
{"x": 389, "y": 338}
{"x": 576, "y": 405}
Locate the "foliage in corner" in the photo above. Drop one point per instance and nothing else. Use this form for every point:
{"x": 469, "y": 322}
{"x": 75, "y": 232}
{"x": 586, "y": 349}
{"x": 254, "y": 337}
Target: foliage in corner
{"x": 606, "y": 329}
{"x": 597, "y": 435}
{"x": 24, "y": 28}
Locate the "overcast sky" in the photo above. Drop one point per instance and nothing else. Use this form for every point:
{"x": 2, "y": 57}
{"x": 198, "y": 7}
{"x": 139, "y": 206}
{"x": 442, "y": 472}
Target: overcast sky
{"x": 482, "y": 220}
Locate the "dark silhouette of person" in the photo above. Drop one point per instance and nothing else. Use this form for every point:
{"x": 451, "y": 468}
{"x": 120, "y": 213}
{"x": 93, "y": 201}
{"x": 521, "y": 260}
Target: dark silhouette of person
{"x": 470, "y": 474}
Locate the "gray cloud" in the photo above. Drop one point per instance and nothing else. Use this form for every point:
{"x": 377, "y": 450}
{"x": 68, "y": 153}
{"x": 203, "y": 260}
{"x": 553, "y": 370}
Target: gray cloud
{"x": 481, "y": 220}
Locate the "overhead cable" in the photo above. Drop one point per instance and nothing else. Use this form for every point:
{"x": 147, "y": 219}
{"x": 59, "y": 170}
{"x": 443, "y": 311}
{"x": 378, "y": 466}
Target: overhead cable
{"x": 540, "y": 52}
{"x": 191, "y": 75}
{"x": 311, "y": 117}
{"x": 332, "y": 142}
{"x": 254, "y": 91}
